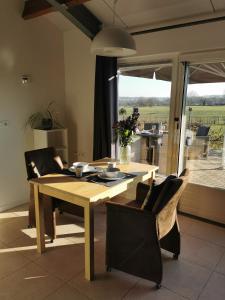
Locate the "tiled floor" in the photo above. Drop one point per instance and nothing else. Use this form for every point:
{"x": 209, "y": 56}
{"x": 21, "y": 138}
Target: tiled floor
{"x": 59, "y": 273}
{"x": 209, "y": 171}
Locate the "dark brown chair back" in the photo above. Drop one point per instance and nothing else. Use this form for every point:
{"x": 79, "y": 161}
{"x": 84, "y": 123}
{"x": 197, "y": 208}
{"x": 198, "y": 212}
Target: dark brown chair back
{"x": 41, "y": 162}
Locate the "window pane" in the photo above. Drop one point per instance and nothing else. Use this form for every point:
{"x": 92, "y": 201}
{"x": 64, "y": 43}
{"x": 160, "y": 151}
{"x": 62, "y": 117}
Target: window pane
{"x": 148, "y": 89}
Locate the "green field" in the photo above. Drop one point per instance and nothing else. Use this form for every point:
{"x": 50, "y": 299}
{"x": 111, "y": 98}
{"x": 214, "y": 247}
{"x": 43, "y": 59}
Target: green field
{"x": 200, "y": 114}
{"x": 213, "y": 116}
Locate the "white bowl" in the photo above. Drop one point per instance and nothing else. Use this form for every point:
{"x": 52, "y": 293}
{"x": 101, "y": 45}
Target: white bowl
{"x": 81, "y": 164}
{"x": 111, "y": 173}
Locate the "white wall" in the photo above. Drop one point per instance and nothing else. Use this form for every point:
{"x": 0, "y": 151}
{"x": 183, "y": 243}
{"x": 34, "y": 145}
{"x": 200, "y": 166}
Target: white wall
{"x": 80, "y": 78}
{"x": 32, "y": 47}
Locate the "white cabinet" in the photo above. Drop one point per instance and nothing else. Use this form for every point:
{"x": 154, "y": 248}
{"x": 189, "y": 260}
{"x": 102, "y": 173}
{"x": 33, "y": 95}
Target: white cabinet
{"x": 57, "y": 138}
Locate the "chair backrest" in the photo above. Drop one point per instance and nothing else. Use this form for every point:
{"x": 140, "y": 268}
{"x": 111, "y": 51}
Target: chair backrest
{"x": 149, "y": 126}
{"x": 202, "y": 131}
{"x": 166, "y": 217}
{"x": 41, "y": 162}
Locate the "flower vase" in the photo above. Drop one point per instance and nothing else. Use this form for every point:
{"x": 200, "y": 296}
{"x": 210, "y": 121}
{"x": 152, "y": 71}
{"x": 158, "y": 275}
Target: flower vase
{"x": 125, "y": 154}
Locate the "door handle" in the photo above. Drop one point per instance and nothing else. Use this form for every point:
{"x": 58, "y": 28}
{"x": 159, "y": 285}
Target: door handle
{"x": 176, "y": 119}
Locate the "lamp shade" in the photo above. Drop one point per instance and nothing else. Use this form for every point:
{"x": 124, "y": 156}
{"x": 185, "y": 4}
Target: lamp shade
{"x": 113, "y": 41}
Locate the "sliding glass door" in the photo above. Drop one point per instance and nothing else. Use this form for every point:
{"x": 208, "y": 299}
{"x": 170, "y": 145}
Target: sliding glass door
{"x": 148, "y": 89}
{"x": 203, "y": 130}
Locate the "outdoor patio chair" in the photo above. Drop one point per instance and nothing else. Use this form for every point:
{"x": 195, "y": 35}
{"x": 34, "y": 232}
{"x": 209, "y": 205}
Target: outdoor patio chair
{"x": 42, "y": 162}
{"x": 202, "y": 135}
{"x": 151, "y": 126}
{"x": 201, "y": 143}
{"x": 136, "y": 231}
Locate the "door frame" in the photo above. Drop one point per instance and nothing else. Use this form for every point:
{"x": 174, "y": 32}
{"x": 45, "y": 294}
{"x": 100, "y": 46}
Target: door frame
{"x": 184, "y": 60}
{"x": 178, "y": 85}
{"x": 172, "y": 59}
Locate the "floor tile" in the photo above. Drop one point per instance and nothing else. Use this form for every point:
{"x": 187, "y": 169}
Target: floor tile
{"x": 30, "y": 282}
{"x": 13, "y": 230}
{"x": 203, "y": 230}
{"x": 66, "y": 218}
{"x": 215, "y": 288}
{"x": 10, "y": 261}
{"x": 59, "y": 272}
{"x": 7, "y": 217}
{"x": 200, "y": 252}
{"x": 111, "y": 286}
{"x": 64, "y": 262}
{"x": 145, "y": 290}
{"x": 184, "y": 278}
{"x": 184, "y": 223}
{"x": 221, "y": 265}
{"x": 66, "y": 292}
{"x": 27, "y": 246}
{"x": 14, "y": 214}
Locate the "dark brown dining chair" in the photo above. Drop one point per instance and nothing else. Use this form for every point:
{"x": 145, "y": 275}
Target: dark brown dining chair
{"x": 137, "y": 231}
{"x": 42, "y": 162}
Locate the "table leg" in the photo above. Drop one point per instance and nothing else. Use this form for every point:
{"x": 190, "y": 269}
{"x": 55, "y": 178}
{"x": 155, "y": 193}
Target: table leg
{"x": 89, "y": 241}
{"x": 150, "y": 180}
{"x": 39, "y": 216}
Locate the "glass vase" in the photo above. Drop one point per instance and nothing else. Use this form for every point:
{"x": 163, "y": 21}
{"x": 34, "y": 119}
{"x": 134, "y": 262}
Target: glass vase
{"x": 125, "y": 154}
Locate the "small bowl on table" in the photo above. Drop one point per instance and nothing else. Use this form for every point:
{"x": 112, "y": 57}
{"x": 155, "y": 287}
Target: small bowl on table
{"x": 84, "y": 165}
{"x": 111, "y": 172}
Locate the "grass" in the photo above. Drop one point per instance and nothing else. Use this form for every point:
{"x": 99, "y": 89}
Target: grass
{"x": 202, "y": 114}
{"x": 213, "y": 116}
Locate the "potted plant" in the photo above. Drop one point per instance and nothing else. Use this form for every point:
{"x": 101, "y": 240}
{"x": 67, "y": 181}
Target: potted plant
{"x": 125, "y": 129}
{"x": 43, "y": 119}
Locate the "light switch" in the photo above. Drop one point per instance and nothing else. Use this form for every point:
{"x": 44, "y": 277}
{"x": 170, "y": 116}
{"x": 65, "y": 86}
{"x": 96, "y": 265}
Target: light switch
{"x": 4, "y": 123}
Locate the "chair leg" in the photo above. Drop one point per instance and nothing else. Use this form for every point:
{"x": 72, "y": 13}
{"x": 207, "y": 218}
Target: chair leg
{"x": 31, "y": 216}
{"x": 50, "y": 217}
{"x": 49, "y": 214}
{"x": 171, "y": 242}
{"x": 108, "y": 269}
{"x": 158, "y": 286}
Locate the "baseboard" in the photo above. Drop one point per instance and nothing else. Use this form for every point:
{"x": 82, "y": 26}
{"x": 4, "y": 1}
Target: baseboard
{"x": 6, "y": 207}
{"x": 205, "y": 202}
{"x": 201, "y": 219}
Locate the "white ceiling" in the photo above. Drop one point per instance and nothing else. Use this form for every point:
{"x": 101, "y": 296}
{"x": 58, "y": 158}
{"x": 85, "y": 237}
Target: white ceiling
{"x": 137, "y": 13}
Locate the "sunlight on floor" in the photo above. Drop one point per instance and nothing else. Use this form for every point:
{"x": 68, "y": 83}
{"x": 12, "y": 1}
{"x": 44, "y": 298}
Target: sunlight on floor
{"x": 35, "y": 277}
{"x": 60, "y": 230}
{"x": 22, "y": 213}
{"x": 15, "y": 214}
{"x": 57, "y": 243}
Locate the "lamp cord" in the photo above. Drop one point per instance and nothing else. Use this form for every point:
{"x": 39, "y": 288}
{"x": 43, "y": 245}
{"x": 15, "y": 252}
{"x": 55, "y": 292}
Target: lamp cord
{"x": 114, "y": 11}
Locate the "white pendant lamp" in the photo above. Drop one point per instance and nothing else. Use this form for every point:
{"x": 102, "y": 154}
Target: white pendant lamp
{"x": 113, "y": 41}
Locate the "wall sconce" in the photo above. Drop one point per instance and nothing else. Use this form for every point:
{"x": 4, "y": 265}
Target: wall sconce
{"x": 25, "y": 79}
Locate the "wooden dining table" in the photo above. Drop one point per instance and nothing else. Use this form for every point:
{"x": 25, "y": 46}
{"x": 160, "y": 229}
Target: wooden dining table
{"x": 86, "y": 195}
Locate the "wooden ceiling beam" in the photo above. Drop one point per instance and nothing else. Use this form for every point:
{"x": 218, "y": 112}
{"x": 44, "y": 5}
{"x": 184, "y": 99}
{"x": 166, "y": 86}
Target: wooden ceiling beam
{"x": 36, "y": 8}
{"x": 80, "y": 16}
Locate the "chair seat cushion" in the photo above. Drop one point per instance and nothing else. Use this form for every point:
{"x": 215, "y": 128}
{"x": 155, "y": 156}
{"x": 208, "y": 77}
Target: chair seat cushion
{"x": 134, "y": 203}
{"x": 155, "y": 192}
{"x": 168, "y": 191}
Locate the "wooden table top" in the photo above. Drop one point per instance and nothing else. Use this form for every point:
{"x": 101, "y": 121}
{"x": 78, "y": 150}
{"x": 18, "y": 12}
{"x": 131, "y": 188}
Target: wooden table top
{"x": 58, "y": 184}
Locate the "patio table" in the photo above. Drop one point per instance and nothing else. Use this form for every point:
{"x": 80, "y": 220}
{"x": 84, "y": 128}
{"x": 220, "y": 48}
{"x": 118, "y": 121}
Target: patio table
{"x": 84, "y": 194}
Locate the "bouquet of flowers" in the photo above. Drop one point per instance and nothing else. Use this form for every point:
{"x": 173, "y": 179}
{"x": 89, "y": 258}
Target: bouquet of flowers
{"x": 126, "y": 127}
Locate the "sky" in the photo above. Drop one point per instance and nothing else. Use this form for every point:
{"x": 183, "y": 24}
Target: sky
{"x": 142, "y": 87}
